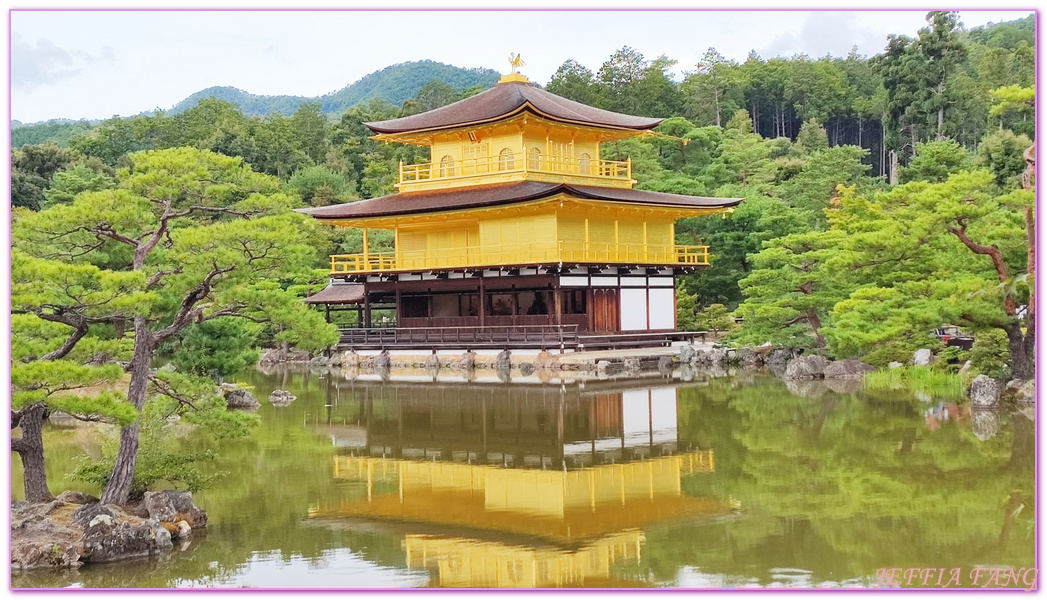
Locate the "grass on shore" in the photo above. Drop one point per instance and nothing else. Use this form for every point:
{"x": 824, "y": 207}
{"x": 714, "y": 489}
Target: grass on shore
{"x": 918, "y": 379}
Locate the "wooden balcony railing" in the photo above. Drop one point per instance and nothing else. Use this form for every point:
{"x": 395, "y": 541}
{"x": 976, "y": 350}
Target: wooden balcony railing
{"x": 518, "y": 163}
{"x": 518, "y": 254}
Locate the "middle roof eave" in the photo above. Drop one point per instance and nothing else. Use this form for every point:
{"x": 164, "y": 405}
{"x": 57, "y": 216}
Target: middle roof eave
{"x": 436, "y": 201}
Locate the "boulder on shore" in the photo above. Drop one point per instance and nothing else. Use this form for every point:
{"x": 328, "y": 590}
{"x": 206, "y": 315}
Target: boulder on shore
{"x": 922, "y": 357}
{"x": 67, "y": 532}
{"x": 985, "y": 392}
{"x": 1022, "y": 391}
{"x": 805, "y": 367}
{"x": 850, "y": 368}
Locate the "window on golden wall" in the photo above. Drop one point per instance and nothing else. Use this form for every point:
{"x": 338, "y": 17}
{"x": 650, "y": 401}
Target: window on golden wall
{"x": 534, "y": 159}
{"x": 505, "y": 160}
{"x": 447, "y": 166}
{"x": 585, "y": 163}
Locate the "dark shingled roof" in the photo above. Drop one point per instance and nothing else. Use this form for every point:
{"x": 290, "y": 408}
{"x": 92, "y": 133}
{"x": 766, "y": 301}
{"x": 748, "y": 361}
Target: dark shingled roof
{"x": 338, "y": 293}
{"x": 507, "y": 99}
{"x": 503, "y": 193}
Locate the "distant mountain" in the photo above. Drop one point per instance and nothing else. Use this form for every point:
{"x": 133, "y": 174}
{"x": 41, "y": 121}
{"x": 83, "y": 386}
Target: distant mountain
{"x": 393, "y": 84}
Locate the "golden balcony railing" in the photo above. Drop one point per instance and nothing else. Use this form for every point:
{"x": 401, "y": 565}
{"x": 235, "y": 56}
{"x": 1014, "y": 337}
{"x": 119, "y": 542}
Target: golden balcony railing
{"x": 520, "y": 254}
{"x": 516, "y": 162}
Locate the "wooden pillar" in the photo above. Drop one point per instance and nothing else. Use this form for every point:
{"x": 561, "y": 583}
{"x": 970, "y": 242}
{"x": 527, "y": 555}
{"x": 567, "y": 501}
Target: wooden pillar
{"x": 367, "y": 309}
{"x": 399, "y": 310}
{"x": 483, "y": 300}
{"x": 327, "y": 312}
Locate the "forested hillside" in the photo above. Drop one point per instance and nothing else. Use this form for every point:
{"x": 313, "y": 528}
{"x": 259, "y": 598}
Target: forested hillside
{"x": 884, "y": 195}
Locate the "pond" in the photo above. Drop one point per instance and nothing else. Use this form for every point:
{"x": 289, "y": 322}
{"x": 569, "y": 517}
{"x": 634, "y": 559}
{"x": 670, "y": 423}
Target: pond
{"x": 691, "y": 480}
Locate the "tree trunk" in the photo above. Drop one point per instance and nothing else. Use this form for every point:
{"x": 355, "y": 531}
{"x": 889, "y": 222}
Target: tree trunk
{"x": 30, "y": 447}
{"x": 893, "y": 157}
{"x": 118, "y": 488}
{"x": 816, "y": 324}
{"x": 941, "y": 113}
{"x": 1022, "y": 347}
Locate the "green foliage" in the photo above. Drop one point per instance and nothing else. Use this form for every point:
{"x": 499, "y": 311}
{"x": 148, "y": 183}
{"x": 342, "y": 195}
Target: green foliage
{"x": 217, "y": 348}
{"x": 320, "y": 186}
{"x": 791, "y": 290}
{"x": 686, "y": 310}
{"x": 935, "y": 161}
{"x": 918, "y": 379}
{"x": 57, "y": 131}
{"x": 715, "y": 318}
{"x": 990, "y": 355}
{"x": 1001, "y": 152}
{"x": 161, "y": 458}
{"x": 812, "y": 137}
{"x": 815, "y": 187}
{"x": 66, "y": 184}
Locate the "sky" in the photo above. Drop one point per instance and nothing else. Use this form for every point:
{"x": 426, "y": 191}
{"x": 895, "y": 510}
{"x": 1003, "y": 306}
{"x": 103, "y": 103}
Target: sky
{"x": 96, "y": 64}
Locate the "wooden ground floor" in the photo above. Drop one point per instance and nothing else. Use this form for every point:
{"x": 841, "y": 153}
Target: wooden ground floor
{"x": 584, "y": 299}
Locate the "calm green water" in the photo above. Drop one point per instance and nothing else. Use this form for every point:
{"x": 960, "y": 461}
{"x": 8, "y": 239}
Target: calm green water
{"x": 715, "y": 482}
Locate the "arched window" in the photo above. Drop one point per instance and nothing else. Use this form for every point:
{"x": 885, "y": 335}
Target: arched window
{"x": 584, "y": 161}
{"x": 505, "y": 160}
{"x": 447, "y": 166}
{"x": 534, "y": 159}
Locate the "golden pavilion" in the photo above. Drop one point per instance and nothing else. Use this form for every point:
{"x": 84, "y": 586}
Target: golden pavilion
{"x": 517, "y": 226}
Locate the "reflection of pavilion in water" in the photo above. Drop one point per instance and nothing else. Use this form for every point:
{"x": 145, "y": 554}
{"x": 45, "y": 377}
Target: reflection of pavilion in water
{"x": 536, "y": 487}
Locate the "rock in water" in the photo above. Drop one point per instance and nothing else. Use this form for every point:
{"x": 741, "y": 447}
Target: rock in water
{"x": 985, "y": 392}
{"x": 526, "y": 369}
{"x": 238, "y": 397}
{"x": 780, "y": 356}
{"x": 749, "y": 358}
{"x": 43, "y": 536}
{"x": 503, "y": 361}
{"x": 717, "y": 356}
{"x": 546, "y": 360}
{"x": 467, "y": 361}
{"x": 851, "y": 368}
{"x": 686, "y": 353}
{"x": 173, "y": 506}
{"x": 922, "y": 357}
{"x": 183, "y": 530}
{"x": 631, "y": 365}
{"x": 432, "y": 362}
{"x": 111, "y": 534}
{"x": 281, "y": 398}
{"x": 665, "y": 365}
{"x": 805, "y": 367}
{"x": 382, "y": 362}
